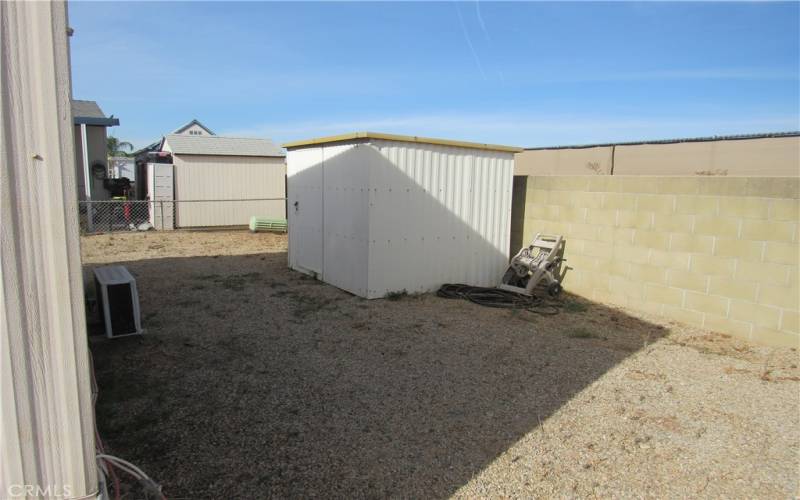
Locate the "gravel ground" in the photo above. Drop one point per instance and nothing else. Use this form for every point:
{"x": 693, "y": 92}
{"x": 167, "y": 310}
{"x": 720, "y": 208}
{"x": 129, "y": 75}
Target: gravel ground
{"x": 255, "y": 381}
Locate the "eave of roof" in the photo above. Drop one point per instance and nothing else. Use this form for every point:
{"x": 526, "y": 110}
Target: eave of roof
{"x": 89, "y": 113}
{"x": 400, "y": 138}
{"x": 93, "y": 121}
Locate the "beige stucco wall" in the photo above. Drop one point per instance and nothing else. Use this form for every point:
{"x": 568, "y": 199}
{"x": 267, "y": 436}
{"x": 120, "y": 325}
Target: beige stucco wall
{"x": 576, "y": 161}
{"x": 774, "y": 157}
{"x": 96, "y": 146}
{"x": 207, "y": 177}
{"x": 768, "y": 157}
{"x": 720, "y": 253}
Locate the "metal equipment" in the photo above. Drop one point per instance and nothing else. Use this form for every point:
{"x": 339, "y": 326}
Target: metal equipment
{"x": 537, "y": 264}
{"x": 118, "y": 301}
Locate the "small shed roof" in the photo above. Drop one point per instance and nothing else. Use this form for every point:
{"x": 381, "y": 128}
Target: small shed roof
{"x": 222, "y": 146}
{"x": 89, "y": 113}
{"x": 401, "y": 138}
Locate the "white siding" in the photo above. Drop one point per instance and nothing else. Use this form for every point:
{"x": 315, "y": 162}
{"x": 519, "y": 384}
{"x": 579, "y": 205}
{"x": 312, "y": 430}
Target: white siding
{"x": 204, "y": 177}
{"x": 46, "y": 423}
{"x": 429, "y": 214}
{"x": 195, "y": 129}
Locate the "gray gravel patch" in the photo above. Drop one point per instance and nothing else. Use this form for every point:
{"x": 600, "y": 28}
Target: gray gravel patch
{"x": 255, "y": 381}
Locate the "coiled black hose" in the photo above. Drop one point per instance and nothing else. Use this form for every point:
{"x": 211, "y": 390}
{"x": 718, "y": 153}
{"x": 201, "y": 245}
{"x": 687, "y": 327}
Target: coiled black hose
{"x": 495, "y": 297}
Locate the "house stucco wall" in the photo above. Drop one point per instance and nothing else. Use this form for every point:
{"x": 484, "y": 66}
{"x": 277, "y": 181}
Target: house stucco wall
{"x": 96, "y": 146}
{"x": 719, "y": 253}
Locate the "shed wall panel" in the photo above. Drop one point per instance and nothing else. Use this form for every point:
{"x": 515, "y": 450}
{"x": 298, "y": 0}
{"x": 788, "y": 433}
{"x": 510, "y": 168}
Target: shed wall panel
{"x": 437, "y": 214}
{"x": 305, "y": 198}
{"x": 345, "y": 213}
{"x": 235, "y": 178}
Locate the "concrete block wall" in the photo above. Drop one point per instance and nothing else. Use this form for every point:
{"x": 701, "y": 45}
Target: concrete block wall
{"x": 716, "y": 252}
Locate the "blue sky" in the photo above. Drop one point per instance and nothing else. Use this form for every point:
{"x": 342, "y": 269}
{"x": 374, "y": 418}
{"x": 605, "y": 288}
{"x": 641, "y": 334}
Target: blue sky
{"x": 527, "y": 74}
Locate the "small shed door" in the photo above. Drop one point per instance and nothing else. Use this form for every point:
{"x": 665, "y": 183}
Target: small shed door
{"x": 305, "y": 210}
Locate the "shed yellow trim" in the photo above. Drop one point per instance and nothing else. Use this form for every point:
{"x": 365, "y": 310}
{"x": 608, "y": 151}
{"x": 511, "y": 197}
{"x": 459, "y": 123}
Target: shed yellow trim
{"x": 402, "y": 138}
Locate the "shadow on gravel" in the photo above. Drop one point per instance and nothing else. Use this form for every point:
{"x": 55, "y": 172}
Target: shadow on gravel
{"x": 255, "y": 381}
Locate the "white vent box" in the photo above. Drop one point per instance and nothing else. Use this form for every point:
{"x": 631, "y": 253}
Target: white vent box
{"x": 117, "y": 301}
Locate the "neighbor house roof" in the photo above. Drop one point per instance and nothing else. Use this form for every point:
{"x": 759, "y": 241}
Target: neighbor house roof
{"x": 402, "y": 138}
{"x": 216, "y": 145}
{"x": 191, "y": 123}
{"x": 89, "y": 113}
{"x": 740, "y": 137}
{"x": 155, "y": 146}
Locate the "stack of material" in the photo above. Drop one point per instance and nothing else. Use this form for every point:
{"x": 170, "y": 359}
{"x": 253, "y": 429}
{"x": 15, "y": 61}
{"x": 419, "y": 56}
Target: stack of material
{"x": 265, "y": 224}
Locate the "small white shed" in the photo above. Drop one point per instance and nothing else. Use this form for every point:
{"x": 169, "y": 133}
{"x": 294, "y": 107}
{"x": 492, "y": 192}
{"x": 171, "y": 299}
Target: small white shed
{"x": 376, "y": 213}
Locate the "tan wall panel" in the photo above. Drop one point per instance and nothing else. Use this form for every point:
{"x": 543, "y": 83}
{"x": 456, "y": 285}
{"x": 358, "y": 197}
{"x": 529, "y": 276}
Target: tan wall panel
{"x": 205, "y": 177}
{"x": 775, "y": 157}
{"x": 766, "y": 157}
{"x": 583, "y": 161}
{"x": 721, "y": 253}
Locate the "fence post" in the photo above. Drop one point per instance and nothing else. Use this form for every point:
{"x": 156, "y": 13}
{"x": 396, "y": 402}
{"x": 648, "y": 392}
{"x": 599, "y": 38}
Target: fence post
{"x": 161, "y": 203}
{"x": 89, "y": 221}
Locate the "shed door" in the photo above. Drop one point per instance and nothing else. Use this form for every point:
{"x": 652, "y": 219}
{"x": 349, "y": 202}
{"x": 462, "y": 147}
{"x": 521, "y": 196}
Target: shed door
{"x": 305, "y": 210}
{"x": 160, "y": 192}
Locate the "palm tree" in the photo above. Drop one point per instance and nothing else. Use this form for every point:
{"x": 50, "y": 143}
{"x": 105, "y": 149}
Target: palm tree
{"x": 115, "y": 147}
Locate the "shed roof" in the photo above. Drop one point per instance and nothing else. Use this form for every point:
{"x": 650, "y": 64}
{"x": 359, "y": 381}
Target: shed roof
{"x": 223, "y": 146}
{"x": 89, "y": 113}
{"x": 401, "y": 138}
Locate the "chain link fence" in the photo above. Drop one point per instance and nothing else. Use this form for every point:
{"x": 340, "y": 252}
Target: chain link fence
{"x": 118, "y": 215}
{"x": 135, "y": 215}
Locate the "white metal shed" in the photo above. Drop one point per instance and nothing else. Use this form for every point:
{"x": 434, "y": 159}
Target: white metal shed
{"x": 376, "y": 213}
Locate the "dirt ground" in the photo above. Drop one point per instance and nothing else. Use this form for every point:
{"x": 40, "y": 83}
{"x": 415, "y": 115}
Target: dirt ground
{"x": 255, "y": 381}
